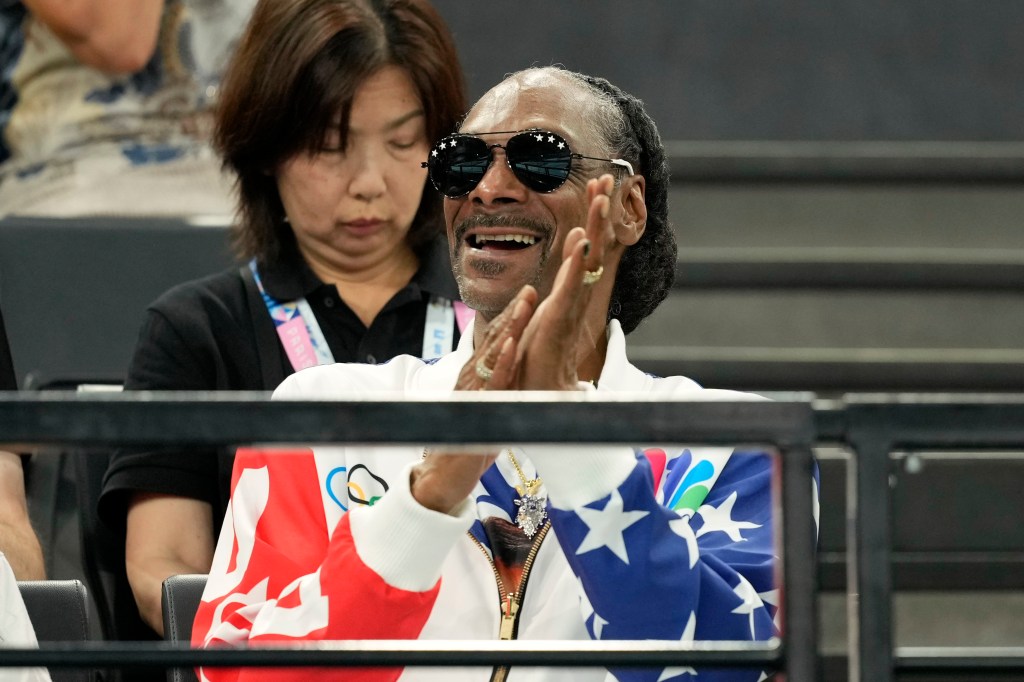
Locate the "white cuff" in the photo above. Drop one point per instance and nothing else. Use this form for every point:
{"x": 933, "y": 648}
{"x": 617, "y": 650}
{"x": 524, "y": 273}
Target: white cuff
{"x": 404, "y": 542}
{"x": 576, "y": 475}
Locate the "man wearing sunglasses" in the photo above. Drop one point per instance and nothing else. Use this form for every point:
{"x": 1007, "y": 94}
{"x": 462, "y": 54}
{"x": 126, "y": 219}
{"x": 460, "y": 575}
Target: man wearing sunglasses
{"x": 557, "y": 218}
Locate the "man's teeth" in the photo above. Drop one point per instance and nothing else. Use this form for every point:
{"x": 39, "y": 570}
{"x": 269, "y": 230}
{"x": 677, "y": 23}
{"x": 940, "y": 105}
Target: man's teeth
{"x": 521, "y": 238}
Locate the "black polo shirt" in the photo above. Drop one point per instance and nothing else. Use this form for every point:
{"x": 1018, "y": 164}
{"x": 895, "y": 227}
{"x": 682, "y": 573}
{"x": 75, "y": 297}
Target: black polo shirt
{"x": 216, "y": 334}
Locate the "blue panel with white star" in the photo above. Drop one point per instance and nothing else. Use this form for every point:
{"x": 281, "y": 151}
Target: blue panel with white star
{"x": 645, "y": 572}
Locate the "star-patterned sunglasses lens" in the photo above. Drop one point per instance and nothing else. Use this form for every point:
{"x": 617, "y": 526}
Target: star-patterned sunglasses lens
{"x": 541, "y": 160}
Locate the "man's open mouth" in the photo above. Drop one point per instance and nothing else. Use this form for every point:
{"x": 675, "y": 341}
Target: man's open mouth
{"x": 501, "y": 242}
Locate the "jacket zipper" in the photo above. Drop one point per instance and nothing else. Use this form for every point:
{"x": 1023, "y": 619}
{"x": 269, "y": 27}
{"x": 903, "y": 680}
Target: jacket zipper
{"x": 510, "y": 601}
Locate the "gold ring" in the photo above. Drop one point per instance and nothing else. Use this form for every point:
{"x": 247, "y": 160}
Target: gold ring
{"x": 483, "y": 371}
{"x": 591, "y": 276}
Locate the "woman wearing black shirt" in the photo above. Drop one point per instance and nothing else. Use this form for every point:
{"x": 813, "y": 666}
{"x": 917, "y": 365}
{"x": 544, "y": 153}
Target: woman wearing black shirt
{"x": 326, "y": 114}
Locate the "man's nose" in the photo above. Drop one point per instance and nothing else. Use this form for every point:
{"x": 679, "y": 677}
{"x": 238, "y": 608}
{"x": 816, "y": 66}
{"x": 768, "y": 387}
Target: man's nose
{"x": 499, "y": 184}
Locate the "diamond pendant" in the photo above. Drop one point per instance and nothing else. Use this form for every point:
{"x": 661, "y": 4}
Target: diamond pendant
{"x": 531, "y": 508}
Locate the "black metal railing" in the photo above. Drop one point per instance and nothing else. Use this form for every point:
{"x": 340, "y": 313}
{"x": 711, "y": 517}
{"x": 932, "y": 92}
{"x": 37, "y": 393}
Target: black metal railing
{"x": 872, "y": 427}
{"x": 875, "y": 427}
{"x": 97, "y": 420}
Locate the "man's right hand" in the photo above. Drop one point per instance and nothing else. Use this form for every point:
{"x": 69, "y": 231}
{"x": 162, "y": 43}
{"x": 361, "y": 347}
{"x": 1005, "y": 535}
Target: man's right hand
{"x": 445, "y": 478}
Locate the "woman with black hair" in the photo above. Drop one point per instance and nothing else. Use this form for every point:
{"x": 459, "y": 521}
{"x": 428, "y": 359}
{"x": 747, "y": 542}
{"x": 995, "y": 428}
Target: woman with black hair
{"x": 325, "y": 116}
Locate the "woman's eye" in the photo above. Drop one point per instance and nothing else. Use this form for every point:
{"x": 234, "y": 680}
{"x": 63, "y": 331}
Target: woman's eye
{"x": 401, "y": 144}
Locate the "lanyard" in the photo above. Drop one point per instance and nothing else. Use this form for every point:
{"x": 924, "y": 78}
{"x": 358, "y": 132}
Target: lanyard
{"x": 304, "y": 341}
{"x": 296, "y": 326}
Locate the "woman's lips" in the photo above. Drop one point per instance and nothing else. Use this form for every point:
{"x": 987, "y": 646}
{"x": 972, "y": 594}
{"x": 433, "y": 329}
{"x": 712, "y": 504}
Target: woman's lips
{"x": 363, "y": 226}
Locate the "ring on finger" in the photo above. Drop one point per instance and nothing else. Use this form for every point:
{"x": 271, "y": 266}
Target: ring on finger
{"x": 483, "y": 371}
{"x": 592, "y": 276}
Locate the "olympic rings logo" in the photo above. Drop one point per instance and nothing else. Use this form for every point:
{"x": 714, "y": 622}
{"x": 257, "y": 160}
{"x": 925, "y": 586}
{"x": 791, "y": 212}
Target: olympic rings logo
{"x": 361, "y": 485}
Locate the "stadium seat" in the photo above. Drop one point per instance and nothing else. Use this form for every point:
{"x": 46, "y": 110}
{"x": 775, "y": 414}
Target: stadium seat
{"x": 180, "y": 601}
{"x": 59, "y": 613}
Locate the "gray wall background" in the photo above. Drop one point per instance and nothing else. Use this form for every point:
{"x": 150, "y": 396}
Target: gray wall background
{"x": 773, "y": 69}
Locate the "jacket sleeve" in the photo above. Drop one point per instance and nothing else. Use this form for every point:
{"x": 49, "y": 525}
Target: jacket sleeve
{"x": 648, "y": 571}
{"x": 281, "y": 575}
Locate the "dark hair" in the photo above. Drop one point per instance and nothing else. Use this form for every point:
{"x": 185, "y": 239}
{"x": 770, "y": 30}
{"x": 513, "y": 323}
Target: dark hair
{"x": 298, "y": 64}
{"x": 648, "y": 268}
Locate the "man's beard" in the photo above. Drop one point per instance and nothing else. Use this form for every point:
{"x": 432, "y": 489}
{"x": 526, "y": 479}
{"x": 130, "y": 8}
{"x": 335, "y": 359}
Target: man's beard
{"x": 492, "y": 305}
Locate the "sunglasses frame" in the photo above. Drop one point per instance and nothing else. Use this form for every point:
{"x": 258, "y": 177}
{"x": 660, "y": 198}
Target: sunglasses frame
{"x": 439, "y": 146}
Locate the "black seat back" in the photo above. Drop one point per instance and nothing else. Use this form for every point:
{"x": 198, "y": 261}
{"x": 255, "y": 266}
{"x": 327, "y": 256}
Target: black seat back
{"x": 59, "y": 613}
{"x": 180, "y": 601}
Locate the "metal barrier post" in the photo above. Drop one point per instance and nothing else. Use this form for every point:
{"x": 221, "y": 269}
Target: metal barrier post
{"x": 869, "y": 572}
{"x": 800, "y": 585}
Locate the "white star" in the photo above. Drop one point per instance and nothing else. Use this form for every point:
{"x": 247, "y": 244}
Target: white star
{"x": 770, "y": 597}
{"x": 444, "y": 145}
{"x": 751, "y": 602}
{"x": 433, "y": 153}
{"x": 606, "y": 527}
{"x": 599, "y": 624}
{"x": 721, "y": 519}
{"x": 561, "y": 145}
{"x": 817, "y": 506}
{"x": 587, "y": 610}
{"x": 688, "y": 635}
{"x": 539, "y": 138}
{"x": 691, "y": 628}
{"x": 551, "y": 138}
{"x": 681, "y": 527}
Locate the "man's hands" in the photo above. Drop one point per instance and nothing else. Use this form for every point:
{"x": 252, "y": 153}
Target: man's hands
{"x": 529, "y": 347}
{"x": 498, "y": 351}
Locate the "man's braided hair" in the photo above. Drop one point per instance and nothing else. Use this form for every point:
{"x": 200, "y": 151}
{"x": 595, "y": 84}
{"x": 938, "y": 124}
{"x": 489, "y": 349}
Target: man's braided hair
{"x": 648, "y": 268}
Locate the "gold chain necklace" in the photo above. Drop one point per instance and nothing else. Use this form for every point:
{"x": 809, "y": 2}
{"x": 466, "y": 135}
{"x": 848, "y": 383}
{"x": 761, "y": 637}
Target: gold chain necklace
{"x": 531, "y": 502}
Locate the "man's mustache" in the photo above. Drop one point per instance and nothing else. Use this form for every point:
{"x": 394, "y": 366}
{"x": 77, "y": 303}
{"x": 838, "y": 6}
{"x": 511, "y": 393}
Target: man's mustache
{"x": 545, "y": 229}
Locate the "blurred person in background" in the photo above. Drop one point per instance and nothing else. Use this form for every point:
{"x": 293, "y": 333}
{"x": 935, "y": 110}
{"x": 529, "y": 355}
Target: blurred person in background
{"x": 16, "y": 627}
{"x": 326, "y": 113}
{"x": 18, "y": 541}
{"x": 21, "y": 557}
{"x": 105, "y": 105}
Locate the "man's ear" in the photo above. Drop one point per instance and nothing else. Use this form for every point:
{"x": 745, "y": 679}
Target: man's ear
{"x": 634, "y": 211}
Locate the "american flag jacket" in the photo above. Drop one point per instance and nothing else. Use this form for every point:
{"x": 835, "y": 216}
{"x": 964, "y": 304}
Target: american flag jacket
{"x": 327, "y": 542}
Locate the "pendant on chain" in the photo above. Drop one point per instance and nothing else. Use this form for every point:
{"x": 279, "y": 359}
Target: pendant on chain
{"x": 531, "y": 505}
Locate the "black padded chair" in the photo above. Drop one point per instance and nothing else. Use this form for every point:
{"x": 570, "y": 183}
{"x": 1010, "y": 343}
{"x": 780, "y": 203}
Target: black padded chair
{"x": 180, "y": 601}
{"x": 59, "y": 612}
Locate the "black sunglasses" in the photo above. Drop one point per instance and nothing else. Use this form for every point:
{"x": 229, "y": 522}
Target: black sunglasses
{"x": 540, "y": 159}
